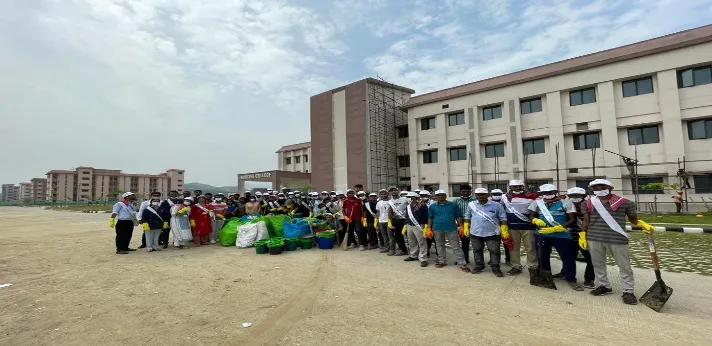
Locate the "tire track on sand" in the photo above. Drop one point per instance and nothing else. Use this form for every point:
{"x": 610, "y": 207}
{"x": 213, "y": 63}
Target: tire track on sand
{"x": 280, "y": 322}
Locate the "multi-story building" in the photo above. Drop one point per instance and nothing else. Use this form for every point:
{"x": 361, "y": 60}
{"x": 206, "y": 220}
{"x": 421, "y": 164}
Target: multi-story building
{"x": 571, "y": 121}
{"x": 10, "y": 193}
{"x": 25, "y": 192}
{"x": 39, "y": 189}
{"x": 87, "y": 183}
{"x": 294, "y": 157}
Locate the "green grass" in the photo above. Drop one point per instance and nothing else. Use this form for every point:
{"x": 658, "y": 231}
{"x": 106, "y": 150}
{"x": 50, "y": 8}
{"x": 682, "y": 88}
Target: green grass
{"x": 678, "y": 219}
{"x": 86, "y": 207}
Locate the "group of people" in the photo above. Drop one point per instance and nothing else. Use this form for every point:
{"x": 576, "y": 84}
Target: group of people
{"x": 401, "y": 223}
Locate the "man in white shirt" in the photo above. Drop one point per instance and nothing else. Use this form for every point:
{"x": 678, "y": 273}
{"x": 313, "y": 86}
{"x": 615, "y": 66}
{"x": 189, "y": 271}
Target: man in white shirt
{"x": 384, "y": 214}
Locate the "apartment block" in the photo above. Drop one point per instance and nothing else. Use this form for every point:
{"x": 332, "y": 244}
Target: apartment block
{"x": 10, "y": 193}
{"x": 572, "y": 121}
{"x": 88, "y": 183}
{"x": 294, "y": 157}
{"x": 25, "y": 192}
{"x": 39, "y": 189}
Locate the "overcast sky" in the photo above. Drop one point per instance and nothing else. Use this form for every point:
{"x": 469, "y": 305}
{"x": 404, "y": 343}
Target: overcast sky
{"x": 216, "y": 87}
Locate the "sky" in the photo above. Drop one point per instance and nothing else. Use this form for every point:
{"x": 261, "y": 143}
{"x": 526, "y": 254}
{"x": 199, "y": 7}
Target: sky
{"x": 216, "y": 87}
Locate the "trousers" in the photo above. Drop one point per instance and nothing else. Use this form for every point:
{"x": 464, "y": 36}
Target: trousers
{"x": 620, "y": 255}
{"x": 478, "y": 250}
{"x": 519, "y": 238}
{"x": 465, "y": 244}
{"x": 124, "y": 231}
{"x": 152, "y": 238}
{"x": 563, "y": 247}
{"x": 217, "y": 226}
{"x": 351, "y": 230}
{"x": 454, "y": 239}
{"x": 398, "y": 225}
{"x": 389, "y": 243}
{"x": 367, "y": 235}
{"x": 417, "y": 242}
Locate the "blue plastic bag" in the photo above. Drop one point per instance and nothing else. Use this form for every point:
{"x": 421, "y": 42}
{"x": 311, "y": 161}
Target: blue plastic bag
{"x": 295, "y": 229}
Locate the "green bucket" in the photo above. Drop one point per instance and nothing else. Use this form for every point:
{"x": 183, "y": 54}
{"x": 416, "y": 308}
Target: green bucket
{"x": 261, "y": 249}
{"x": 306, "y": 243}
{"x": 291, "y": 244}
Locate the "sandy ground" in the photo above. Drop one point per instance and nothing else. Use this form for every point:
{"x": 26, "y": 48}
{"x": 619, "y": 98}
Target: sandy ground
{"x": 69, "y": 288}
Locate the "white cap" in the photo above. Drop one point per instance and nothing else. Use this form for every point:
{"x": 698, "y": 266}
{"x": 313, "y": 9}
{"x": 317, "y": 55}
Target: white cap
{"x": 350, "y": 190}
{"x": 416, "y": 190}
{"x": 314, "y": 193}
{"x": 440, "y": 192}
{"x": 126, "y": 194}
{"x": 258, "y": 193}
{"x": 576, "y": 191}
{"x": 425, "y": 193}
{"x": 516, "y": 183}
{"x": 290, "y": 193}
{"x": 373, "y": 194}
{"x": 496, "y": 191}
{"x": 412, "y": 194}
{"x": 339, "y": 193}
{"x": 404, "y": 193}
{"x": 481, "y": 190}
{"x": 297, "y": 192}
{"x": 362, "y": 193}
{"x": 324, "y": 192}
{"x": 547, "y": 187}
{"x": 382, "y": 190}
{"x": 600, "y": 182}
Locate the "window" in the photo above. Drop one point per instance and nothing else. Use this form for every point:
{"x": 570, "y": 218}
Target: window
{"x": 583, "y": 183}
{"x": 306, "y": 158}
{"x": 455, "y": 189}
{"x": 85, "y": 172}
{"x": 458, "y": 154}
{"x": 533, "y": 185}
{"x": 494, "y": 150}
{"x": 638, "y": 87}
{"x": 489, "y": 113}
{"x": 586, "y": 141}
{"x": 582, "y": 97}
{"x": 643, "y": 135}
{"x": 655, "y": 188}
{"x": 534, "y": 146}
{"x": 431, "y": 188}
{"x": 430, "y": 156}
{"x": 427, "y": 123}
{"x": 288, "y": 161}
{"x": 297, "y": 159}
{"x": 694, "y": 76}
{"x": 403, "y": 161}
{"x": 403, "y": 131}
{"x": 530, "y": 106}
{"x": 501, "y": 186}
{"x": 456, "y": 119}
{"x": 703, "y": 183}
{"x": 699, "y": 129}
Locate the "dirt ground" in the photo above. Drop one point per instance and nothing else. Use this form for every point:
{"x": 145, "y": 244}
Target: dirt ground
{"x": 70, "y": 288}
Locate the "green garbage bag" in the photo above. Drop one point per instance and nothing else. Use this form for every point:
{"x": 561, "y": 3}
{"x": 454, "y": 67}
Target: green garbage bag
{"x": 228, "y": 234}
{"x": 275, "y": 225}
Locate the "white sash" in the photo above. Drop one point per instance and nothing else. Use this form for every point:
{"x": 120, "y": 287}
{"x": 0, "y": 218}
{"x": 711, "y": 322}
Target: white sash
{"x": 481, "y": 213}
{"x": 512, "y": 210}
{"x": 154, "y": 212}
{"x": 606, "y": 216}
{"x": 209, "y": 212}
{"x": 412, "y": 218}
{"x": 545, "y": 211}
{"x": 170, "y": 203}
{"x": 368, "y": 207}
{"x": 393, "y": 206}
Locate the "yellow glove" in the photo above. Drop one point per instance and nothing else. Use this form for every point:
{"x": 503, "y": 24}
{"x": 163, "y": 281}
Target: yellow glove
{"x": 466, "y": 231}
{"x": 375, "y": 223}
{"x": 539, "y": 222}
{"x": 311, "y": 215}
{"x": 583, "y": 243}
{"x": 293, "y": 212}
{"x": 219, "y": 216}
{"x": 112, "y": 222}
{"x": 364, "y": 222}
{"x": 504, "y": 231}
{"x": 183, "y": 210}
{"x": 390, "y": 225}
{"x": 547, "y": 230}
{"x": 165, "y": 225}
{"x": 145, "y": 227}
{"x": 192, "y": 223}
{"x": 404, "y": 230}
{"x": 645, "y": 226}
{"x": 427, "y": 232}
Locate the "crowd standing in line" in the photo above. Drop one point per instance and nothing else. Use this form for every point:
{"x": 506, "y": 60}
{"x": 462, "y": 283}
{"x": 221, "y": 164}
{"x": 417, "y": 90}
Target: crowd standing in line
{"x": 570, "y": 222}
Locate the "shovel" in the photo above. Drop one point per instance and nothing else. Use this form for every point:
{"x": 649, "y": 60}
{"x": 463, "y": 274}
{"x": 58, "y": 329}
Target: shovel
{"x": 659, "y": 293}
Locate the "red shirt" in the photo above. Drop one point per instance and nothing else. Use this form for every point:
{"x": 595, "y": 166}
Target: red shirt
{"x": 353, "y": 208}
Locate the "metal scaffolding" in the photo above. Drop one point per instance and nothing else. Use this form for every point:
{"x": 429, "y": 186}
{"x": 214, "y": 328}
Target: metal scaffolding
{"x": 385, "y": 116}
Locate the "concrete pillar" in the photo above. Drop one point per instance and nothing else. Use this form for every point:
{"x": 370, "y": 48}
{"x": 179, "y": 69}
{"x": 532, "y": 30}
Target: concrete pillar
{"x": 672, "y": 129}
{"x": 443, "y": 157}
{"x": 413, "y": 150}
{"x": 473, "y": 121}
{"x": 513, "y": 149}
{"x": 609, "y": 134}
{"x": 556, "y": 135}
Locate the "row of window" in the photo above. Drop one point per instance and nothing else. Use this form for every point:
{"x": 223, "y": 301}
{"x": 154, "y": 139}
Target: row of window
{"x": 297, "y": 159}
{"x": 641, "y": 86}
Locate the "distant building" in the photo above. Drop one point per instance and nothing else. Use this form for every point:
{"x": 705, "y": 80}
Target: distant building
{"x": 294, "y": 157}
{"x": 88, "y": 183}
{"x": 25, "y": 192}
{"x": 39, "y": 189}
{"x": 10, "y": 193}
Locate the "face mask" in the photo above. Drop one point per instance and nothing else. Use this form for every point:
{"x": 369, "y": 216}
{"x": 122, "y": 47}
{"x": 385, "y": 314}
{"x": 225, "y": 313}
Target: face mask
{"x": 576, "y": 200}
{"x": 602, "y": 193}
{"x": 548, "y": 196}
{"x": 496, "y": 198}
{"x": 155, "y": 204}
{"x": 186, "y": 203}
{"x": 517, "y": 192}
{"x": 362, "y": 198}
{"x": 218, "y": 200}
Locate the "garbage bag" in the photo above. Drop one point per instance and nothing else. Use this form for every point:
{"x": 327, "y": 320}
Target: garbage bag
{"x": 262, "y": 231}
{"x": 275, "y": 225}
{"x": 228, "y": 233}
{"x": 295, "y": 229}
{"x": 246, "y": 235}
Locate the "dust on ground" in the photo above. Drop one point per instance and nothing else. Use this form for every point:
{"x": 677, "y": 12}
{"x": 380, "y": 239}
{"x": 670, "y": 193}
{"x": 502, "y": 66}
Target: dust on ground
{"x": 69, "y": 288}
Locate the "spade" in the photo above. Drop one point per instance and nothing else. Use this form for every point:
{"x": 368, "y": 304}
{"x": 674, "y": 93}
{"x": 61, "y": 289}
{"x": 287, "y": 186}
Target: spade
{"x": 659, "y": 293}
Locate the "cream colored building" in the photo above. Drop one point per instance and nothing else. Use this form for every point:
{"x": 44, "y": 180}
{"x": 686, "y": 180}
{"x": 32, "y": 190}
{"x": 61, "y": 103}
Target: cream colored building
{"x": 25, "y": 192}
{"x": 294, "y": 158}
{"x": 87, "y": 183}
{"x": 656, "y": 94}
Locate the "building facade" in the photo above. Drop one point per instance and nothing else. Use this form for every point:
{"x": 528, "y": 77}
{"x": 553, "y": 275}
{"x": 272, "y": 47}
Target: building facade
{"x": 39, "y": 189}
{"x": 88, "y": 183}
{"x": 10, "y": 193}
{"x": 25, "y": 192}
{"x": 650, "y": 100}
{"x": 353, "y": 131}
{"x": 294, "y": 158}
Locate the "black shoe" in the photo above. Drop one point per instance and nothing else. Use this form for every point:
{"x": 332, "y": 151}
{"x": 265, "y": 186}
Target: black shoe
{"x": 589, "y": 284}
{"x": 130, "y": 249}
{"x": 507, "y": 262}
{"x": 629, "y": 298}
{"x": 410, "y": 259}
{"x": 514, "y": 271}
{"x": 546, "y": 280}
{"x": 424, "y": 264}
{"x": 601, "y": 291}
{"x": 534, "y": 276}
{"x": 122, "y": 252}
{"x": 165, "y": 246}
{"x": 477, "y": 270}
{"x": 498, "y": 273}
{"x": 559, "y": 276}
{"x": 143, "y": 246}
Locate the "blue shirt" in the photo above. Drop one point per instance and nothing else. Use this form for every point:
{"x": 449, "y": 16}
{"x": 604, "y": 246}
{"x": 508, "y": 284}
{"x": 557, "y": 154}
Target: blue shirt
{"x": 123, "y": 211}
{"x": 559, "y": 212}
{"x": 480, "y": 226}
{"x": 444, "y": 216}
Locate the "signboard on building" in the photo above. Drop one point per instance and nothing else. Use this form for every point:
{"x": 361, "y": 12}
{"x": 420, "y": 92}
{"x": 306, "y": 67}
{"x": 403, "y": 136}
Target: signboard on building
{"x": 264, "y": 175}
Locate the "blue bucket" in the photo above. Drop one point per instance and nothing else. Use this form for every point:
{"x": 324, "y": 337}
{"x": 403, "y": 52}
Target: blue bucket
{"x": 325, "y": 243}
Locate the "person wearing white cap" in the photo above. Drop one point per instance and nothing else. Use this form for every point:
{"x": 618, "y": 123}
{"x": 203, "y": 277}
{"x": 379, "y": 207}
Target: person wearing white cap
{"x": 603, "y": 229}
{"x": 123, "y": 220}
{"x": 517, "y": 202}
{"x": 152, "y": 223}
{"x": 488, "y": 226}
{"x": 576, "y": 197}
{"x": 551, "y": 233}
{"x": 445, "y": 220}
{"x": 352, "y": 209}
{"x": 369, "y": 223}
{"x": 253, "y": 207}
{"x": 416, "y": 228}
{"x": 384, "y": 213}
{"x": 425, "y": 198}
{"x": 141, "y": 208}
{"x": 361, "y": 195}
{"x": 398, "y": 204}
{"x": 496, "y": 195}
{"x": 463, "y": 203}
{"x": 180, "y": 224}
{"x": 200, "y": 217}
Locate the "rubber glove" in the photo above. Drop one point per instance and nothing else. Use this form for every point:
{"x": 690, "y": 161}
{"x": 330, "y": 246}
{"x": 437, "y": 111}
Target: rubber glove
{"x": 427, "y": 232}
{"x": 583, "y": 243}
{"x": 183, "y": 210}
{"x": 390, "y": 224}
{"x": 645, "y": 226}
{"x": 293, "y": 212}
{"x": 404, "y": 230}
{"x": 165, "y": 225}
{"x": 311, "y": 215}
{"x": 364, "y": 222}
{"x": 192, "y": 223}
{"x": 347, "y": 219}
{"x": 504, "y": 231}
{"x": 467, "y": 228}
{"x": 375, "y": 223}
{"x": 112, "y": 222}
{"x": 539, "y": 222}
{"x": 219, "y": 216}
{"x": 461, "y": 231}
{"x": 548, "y": 230}
{"x": 145, "y": 227}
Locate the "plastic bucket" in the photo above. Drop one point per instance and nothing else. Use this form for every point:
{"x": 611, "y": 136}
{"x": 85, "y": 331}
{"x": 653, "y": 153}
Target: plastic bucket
{"x": 275, "y": 250}
{"x": 291, "y": 244}
{"x": 261, "y": 249}
{"x": 325, "y": 243}
{"x": 306, "y": 243}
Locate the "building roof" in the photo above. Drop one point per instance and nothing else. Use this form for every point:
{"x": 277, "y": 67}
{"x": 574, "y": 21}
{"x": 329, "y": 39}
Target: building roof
{"x": 636, "y": 50}
{"x": 372, "y": 81}
{"x": 291, "y": 147}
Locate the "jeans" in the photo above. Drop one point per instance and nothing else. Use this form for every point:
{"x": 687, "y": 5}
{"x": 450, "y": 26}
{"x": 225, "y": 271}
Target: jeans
{"x": 389, "y": 243}
{"x": 478, "y": 250}
{"x": 563, "y": 247}
{"x": 124, "y": 231}
{"x": 575, "y": 248}
{"x": 152, "y": 238}
{"x": 454, "y": 241}
{"x": 398, "y": 225}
